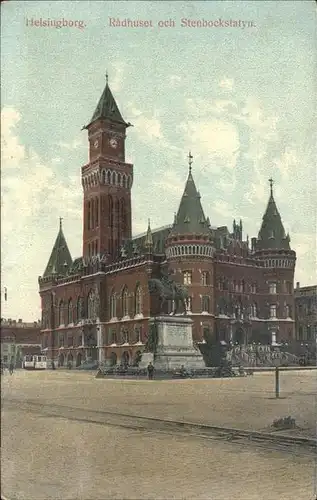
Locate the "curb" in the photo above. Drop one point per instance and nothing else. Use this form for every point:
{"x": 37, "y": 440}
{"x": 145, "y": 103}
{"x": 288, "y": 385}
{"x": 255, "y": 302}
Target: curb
{"x": 239, "y": 433}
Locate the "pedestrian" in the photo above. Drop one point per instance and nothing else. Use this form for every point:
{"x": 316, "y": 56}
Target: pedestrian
{"x": 150, "y": 371}
{"x": 11, "y": 367}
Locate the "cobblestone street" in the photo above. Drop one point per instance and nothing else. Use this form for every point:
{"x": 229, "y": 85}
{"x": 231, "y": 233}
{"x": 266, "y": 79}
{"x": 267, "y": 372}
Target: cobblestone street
{"x": 47, "y": 456}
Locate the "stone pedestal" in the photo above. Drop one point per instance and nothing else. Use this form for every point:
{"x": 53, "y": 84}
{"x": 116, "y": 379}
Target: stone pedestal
{"x": 175, "y": 344}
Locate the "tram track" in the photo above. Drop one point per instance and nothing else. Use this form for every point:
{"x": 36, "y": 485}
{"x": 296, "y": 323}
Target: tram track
{"x": 140, "y": 423}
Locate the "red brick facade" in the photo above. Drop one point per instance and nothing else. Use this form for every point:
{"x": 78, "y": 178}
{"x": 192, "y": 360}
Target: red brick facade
{"x": 100, "y": 308}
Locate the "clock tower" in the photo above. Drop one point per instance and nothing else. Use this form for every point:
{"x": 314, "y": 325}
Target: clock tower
{"x": 107, "y": 181}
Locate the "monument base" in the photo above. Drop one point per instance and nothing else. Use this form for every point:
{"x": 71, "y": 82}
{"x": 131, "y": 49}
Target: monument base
{"x": 175, "y": 346}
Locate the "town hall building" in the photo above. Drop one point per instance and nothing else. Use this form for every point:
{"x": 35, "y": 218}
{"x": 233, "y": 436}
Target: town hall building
{"x": 98, "y": 306}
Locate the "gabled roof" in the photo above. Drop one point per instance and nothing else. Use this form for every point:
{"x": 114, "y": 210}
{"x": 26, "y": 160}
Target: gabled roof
{"x": 60, "y": 260}
{"x": 107, "y": 108}
{"x": 190, "y": 218}
{"x": 272, "y": 234}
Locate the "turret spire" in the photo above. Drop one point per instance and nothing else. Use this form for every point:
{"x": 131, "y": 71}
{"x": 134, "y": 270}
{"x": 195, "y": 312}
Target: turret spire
{"x": 190, "y": 218}
{"x": 60, "y": 256}
{"x": 148, "y": 243}
{"x": 272, "y": 234}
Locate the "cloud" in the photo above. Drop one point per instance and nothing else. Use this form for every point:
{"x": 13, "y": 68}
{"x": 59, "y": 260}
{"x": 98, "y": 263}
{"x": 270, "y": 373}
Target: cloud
{"x": 216, "y": 140}
{"x": 116, "y": 80}
{"x": 226, "y": 84}
{"x": 76, "y": 143}
{"x": 34, "y": 195}
{"x": 174, "y": 80}
{"x": 146, "y": 127}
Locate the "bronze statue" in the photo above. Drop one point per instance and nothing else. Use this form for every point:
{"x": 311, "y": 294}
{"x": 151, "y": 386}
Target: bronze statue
{"x": 167, "y": 289}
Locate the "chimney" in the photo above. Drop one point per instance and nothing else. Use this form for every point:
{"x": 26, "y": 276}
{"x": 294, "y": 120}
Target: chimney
{"x": 253, "y": 244}
{"x": 20, "y": 320}
{"x": 297, "y": 285}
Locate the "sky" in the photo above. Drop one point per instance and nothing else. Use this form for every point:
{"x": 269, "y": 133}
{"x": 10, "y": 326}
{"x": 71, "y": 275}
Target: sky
{"x": 241, "y": 98}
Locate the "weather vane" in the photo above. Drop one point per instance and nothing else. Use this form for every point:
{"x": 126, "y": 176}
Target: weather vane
{"x": 271, "y": 184}
{"x": 106, "y": 76}
{"x": 60, "y": 222}
{"x": 190, "y": 161}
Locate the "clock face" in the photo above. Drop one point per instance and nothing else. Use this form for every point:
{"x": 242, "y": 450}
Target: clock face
{"x": 113, "y": 143}
{"x": 96, "y": 144}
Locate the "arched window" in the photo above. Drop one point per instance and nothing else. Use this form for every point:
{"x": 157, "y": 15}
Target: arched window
{"x": 103, "y": 177}
{"x": 254, "y": 310}
{"x": 119, "y": 179}
{"x": 113, "y": 305}
{"x": 114, "y": 178}
{"x": 123, "y": 213}
{"x": 61, "y": 317}
{"x": 79, "y": 308}
{"x": 97, "y": 212}
{"x": 206, "y": 304}
{"x": 138, "y": 300}
{"x": 90, "y": 305}
{"x": 70, "y": 312}
{"x": 125, "y": 305}
{"x": 92, "y": 222}
{"x": 110, "y": 202}
{"x": 124, "y": 183}
{"x": 88, "y": 215}
{"x": 109, "y": 177}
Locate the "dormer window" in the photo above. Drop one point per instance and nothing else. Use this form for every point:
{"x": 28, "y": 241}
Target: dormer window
{"x": 272, "y": 236}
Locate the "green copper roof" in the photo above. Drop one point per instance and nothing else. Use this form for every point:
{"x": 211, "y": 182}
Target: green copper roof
{"x": 60, "y": 260}
{"x": 190, "y": 217}
{"x": 107, "y": 107}
{"x": 272, "y": 234}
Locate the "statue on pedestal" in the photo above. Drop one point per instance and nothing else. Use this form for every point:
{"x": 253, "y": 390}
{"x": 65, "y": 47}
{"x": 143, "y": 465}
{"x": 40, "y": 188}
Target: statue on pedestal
{"x": 167, "y": 289}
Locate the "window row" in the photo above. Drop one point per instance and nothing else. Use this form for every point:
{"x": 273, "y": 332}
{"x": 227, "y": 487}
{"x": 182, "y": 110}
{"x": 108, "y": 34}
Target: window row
{"x": 308, "y": 332}
{"x": 123, "y": 300}
{"x": 237, "y": 311}
{"x": 278, "y": 263}
{"x": 252, "y": 310}
{"x": 287, "y": 311}
{"x": 286, "y": 287}
{"x": 204, "y": 278}
{"x": 179, "y": 250}
{"x": 70, "y": 312}
{"x": 124, "y": 336}
{"x": 109, "y": 177}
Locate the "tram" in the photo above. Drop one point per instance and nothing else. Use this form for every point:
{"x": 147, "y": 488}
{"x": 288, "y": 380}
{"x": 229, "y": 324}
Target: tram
{"x": 37, "y": 362}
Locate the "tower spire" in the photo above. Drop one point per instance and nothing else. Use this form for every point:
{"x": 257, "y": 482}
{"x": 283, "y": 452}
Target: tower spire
{"x": 190, "y": 161}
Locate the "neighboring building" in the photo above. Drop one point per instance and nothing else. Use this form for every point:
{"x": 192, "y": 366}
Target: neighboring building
{"x": 98, "y": 305}
{"x": 306, "y": 314}
{"x": 18, "y": 339}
